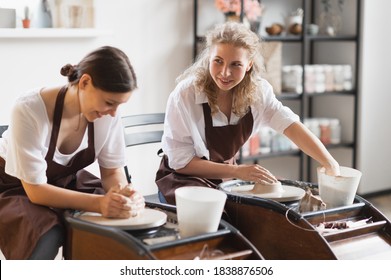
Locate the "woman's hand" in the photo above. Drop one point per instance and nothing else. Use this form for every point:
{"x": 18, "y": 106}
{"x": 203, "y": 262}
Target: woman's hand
{"x": 137, "y": 201}
{"x": 332, "y": 169}
{"x": 122, "y": 203}
{"x": 255, "y": 173}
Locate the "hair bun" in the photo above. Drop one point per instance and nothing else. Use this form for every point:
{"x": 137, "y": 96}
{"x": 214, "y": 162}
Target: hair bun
{"x": 68, "y": 70}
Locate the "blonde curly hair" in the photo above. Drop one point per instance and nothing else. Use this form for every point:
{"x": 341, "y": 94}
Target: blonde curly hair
{"x": 245, "y": 93}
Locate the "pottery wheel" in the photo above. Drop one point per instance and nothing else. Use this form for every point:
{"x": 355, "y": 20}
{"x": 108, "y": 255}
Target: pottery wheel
{"x": 149, "y": 218}
{"x": 289, "y": 193}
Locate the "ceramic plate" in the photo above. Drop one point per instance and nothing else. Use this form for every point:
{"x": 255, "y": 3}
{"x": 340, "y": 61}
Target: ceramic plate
{"x": 149, "y": 218}
{"x": 289, "y": 193}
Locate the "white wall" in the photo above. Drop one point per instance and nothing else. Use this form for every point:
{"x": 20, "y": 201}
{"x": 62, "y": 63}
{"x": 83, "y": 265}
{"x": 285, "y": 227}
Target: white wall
{"x": 375, "y": 128}
{"x": 156, "y": 35}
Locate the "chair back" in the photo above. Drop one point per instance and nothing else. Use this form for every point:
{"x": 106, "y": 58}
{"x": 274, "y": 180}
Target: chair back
{"x": 141, "y": 121}
{"x": 2, "y": 129}
{"x": 142, "y": 129}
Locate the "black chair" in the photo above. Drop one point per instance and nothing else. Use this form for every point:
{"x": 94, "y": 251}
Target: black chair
{"x": 2, "y": 129}
{"x": 141, "y": 130}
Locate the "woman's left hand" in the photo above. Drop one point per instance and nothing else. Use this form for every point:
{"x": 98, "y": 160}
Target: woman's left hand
{"x": 332, "y": 169}
{"x": 135, "y": 200}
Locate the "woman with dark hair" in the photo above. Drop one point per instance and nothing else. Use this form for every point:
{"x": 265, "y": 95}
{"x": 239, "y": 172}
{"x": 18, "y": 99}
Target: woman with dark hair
{"x": 53, "y": 135}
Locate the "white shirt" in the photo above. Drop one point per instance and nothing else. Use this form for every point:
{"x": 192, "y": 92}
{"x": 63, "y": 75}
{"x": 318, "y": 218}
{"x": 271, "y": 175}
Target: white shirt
{"x": 24, "y": 149}
{"x": 184, "y": 126}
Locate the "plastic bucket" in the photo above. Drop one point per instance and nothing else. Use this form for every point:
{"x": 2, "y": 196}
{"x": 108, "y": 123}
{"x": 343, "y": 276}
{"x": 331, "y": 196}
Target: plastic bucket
{"x": 199, "y": 209}
{"x": 340, "y": 190}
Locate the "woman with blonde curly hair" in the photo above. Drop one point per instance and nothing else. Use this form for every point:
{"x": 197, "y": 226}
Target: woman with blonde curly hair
{"x": 219, "y": 103}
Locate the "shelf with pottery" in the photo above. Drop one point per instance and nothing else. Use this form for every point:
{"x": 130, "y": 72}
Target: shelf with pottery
{"x": 8, "y": 33}
{"x": 307, "y": 49}
{"x": 296, "y": 38}
{"x": 299, "y": 38}
{"x": 289, "y": 153}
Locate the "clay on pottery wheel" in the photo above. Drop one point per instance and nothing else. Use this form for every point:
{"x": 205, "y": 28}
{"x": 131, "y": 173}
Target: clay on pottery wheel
{"x": 267, "y": 188}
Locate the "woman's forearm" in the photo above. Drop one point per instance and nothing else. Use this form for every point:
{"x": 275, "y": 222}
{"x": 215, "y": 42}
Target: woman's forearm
{"x": 52, "y": 196}
{"x": 208, "y": 169}
{"x": 112, "y": 178}
{"x": 310, "y": 145}
{"x": 211, "y": 170}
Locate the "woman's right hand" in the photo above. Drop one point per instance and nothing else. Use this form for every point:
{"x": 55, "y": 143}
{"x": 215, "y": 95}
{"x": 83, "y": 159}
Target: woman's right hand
{"x": 255, "y": 173}
{"x": 121, "y": 203}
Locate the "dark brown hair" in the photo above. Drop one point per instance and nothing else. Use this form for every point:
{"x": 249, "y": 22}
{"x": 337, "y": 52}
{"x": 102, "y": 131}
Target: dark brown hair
{"x": 109, "y": 68}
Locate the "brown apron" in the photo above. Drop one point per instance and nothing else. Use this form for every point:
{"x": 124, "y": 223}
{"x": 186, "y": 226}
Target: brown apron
{"x": 22, "y": 223}
{"x": 223, "y": 142}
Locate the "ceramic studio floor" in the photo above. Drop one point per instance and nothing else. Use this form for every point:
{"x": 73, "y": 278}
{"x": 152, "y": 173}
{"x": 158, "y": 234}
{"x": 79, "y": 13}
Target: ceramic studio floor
{"x": 381, "y": 202}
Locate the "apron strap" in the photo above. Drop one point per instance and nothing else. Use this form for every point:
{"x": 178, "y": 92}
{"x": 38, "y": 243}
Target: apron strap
{"x": 56, "y": 121}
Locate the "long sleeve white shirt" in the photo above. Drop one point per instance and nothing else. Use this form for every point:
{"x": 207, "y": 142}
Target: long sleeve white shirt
{"x": 184, "y": 127}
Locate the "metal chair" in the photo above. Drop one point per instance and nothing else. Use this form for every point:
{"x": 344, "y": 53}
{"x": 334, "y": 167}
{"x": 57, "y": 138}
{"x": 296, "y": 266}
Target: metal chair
{"x": 141, "y": 130}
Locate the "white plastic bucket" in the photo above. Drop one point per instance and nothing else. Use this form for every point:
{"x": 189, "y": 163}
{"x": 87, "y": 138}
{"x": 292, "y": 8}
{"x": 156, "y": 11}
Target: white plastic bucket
{"x": 340, "y": 190}
{"x": 199, "y": 209}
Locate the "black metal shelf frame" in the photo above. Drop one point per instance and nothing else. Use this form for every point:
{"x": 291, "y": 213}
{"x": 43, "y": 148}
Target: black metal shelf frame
{"x": 306, "y": 100}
